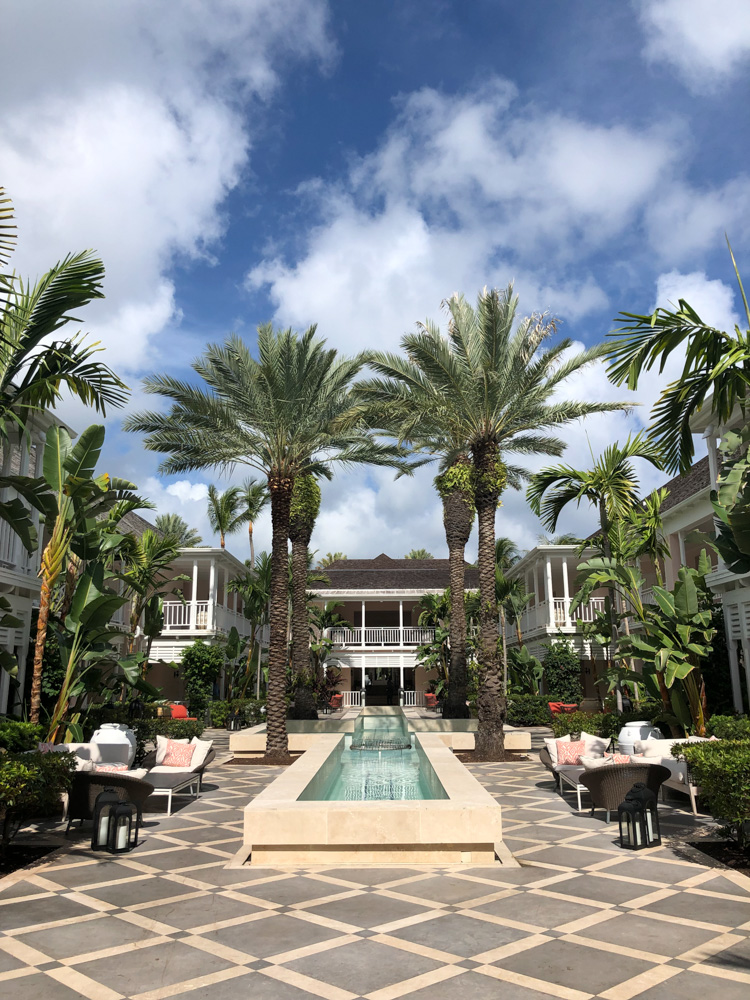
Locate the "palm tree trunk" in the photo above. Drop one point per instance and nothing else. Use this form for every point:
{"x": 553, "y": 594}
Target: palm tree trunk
{"x": 221, "y": 538}
{"x": 304, "y": 703}
{"x": 277, "y": 744}
{"x": 610, "y": 601}
{"x": 490, "y": 741}
{"x": 505, "y": 651}
{"x": 458, "y": 517}
{"x": 41, "y": 639}
{"x": 252, "y": 544}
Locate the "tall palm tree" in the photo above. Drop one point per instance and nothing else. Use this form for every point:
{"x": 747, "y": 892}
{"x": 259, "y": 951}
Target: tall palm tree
{"x": 224, "y": 511}
{"x": 611, "y": 486}
{"x": 716, "y": 370}
{"x": 507, "y": 553}
{"x": 491, "y": 389}
{"x": 287, "y": 413}
{"x": 419, "y": 554}
{"x": 178, "y": 528}
{"x": 329, "y": 558}
{"x": 302, "y": 516}
{"x": 254, "y": 498}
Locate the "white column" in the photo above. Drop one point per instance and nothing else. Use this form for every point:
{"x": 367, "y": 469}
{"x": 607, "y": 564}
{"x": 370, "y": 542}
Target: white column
{"x": 211, "y": 595}
{"x": 681, "y": 542}
{"x": 734, "y": 673}
{"x": 362, "y": 642}
{"x": 713, "y": 455}
{"x": 566, "y": 590}
{"x": 746, "y": 658}
{"x": 401, "y": 673}
{"x": 548, "y": 592}
{"x": 401, "y": 624}
{"x": 194, "y": 597}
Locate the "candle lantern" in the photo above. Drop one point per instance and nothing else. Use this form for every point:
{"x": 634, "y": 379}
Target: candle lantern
{"x": 123, "y": 828}
{"x": 104, "y": 807}
{"x": 639, "y": 819}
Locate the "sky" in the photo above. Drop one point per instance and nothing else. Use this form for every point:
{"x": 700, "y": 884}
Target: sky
{"x": 353, "y": 164}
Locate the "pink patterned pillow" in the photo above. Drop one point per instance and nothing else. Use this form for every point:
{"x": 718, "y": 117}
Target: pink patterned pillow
{"x": 570, "y": 753}
{"x": 178, "y": 754}
{"x": 619, "y": 758}
{"x": 111, "y": 767}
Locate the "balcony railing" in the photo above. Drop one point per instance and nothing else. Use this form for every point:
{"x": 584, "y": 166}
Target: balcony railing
{"x": 201, "y": 616}
{"x": 380, "y": 636}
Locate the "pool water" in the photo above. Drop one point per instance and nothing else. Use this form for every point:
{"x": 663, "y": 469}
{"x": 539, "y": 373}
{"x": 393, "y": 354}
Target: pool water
{"x": 375, "y": 775}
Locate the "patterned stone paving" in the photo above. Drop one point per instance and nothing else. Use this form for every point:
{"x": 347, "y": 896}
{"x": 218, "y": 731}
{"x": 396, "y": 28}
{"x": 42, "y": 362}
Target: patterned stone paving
{"x": 579, "y": 919}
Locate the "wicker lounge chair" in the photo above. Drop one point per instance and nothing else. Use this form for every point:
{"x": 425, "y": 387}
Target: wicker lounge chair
{"x": 609, "y": 785}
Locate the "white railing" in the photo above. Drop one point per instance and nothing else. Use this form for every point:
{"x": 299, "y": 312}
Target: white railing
{"x": 647, "y": 596}
{"x": 351, "y": 699}
{"x": 413, "y": 699}
{"x": 179, "y": 617}
{"x": 380, "y": 636}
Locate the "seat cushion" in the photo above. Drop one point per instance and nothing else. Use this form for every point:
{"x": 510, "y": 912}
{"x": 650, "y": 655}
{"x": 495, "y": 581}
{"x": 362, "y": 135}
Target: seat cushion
{"x": 569, "y": 770}
{"x": 655, "y": 748}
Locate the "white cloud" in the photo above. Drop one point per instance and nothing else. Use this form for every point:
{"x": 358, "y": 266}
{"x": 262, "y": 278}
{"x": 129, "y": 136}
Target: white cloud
{"x": 686, "y": 220}
{"x": 130, "y": 143}
{"x": 706, "y": 41}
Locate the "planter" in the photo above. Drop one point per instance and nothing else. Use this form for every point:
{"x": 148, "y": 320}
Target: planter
{"x": 633, "y": 731}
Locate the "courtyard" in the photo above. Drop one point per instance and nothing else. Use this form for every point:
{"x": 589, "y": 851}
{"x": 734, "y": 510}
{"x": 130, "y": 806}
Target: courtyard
{"x": 579, "y": 918}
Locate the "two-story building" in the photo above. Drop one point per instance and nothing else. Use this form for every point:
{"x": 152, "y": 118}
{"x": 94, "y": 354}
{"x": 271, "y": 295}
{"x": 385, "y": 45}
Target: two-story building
{"x": 379, "y": 601}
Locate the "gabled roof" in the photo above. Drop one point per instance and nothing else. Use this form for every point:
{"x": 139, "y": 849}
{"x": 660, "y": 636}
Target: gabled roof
{"x": 683, "y": 487}
{"x": 384, "y": 573}
{"x": 133, "y": 524}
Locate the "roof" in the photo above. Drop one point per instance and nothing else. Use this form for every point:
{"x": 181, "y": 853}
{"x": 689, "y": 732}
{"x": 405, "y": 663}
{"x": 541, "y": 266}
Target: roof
{"x": 384, "y": 573}
{"x": 134, "y": 524}
{"x": 681, "y": 488}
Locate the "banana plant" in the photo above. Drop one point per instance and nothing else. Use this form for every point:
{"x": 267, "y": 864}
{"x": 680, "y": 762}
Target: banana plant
{"x": 731, "y": 502}
{"x": 90, "y": 661}
{"x": 76, "y": 503}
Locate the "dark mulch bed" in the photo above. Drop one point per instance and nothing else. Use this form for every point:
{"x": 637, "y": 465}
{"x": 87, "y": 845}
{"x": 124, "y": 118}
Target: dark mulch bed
{"x": 472, "y": 757}
{"x": 20, "y": 855}
{"x": 726, "y": 853}
{"x": 263, "y": 761}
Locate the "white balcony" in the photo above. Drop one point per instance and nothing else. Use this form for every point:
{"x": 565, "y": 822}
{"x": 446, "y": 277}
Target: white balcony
{"x": 203, "y": 616}
{"x": 383, "y": 637}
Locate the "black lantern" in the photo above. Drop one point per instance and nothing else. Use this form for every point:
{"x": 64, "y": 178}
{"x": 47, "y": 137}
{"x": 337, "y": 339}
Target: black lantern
{"x": 104, "y": 807}
{"x": 639, "y": 819}
{"x": 123, "y": 828}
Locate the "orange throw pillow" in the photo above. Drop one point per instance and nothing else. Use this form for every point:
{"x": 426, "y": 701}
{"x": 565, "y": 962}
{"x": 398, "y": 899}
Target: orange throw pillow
{"x": 570, "y": 753}
{"x": 178, "y": 754}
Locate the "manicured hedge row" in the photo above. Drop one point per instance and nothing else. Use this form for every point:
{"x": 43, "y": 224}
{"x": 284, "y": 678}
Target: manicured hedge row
{"x": 729, "y": 727}
{"x": 31, "y": 785}
{"x": 146, "y": 731}
{"x": 250, "y": 708}
{"x": 722, "y": 770}
{"x": 15, "y": 737}
{"x": 528, "y": 710}
{"x": 604, "y": 724}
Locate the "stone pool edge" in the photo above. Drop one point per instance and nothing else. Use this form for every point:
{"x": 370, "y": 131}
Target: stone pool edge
{"x": 465, "y": 828}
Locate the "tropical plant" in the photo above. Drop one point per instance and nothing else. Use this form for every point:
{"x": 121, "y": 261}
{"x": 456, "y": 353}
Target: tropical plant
{"x": 254, "y": 590}
{"x": 254, "y": 498}
{"x": 147, "y": 574}
{"x": 490, "y": 389}
{"x": 200, "y": 667}
{"x": 507, "y": 592}
{"x": 419, "y": 554}
{"x": 76, "y": 502}
{"x": 611, "y": 485}
{"x": 731, "y": 502}
{"x": 507, "y": 553}
{"x": 31, "y": 784}
{"x": 526, "y": 672}
{"x": 224, "y": 511}
{"x": 303, "y": 513}
{"x": 178, "y": 528}
{"x": 722, "y": 768}
{"x": 287, "y": 413}
{"x": 562, "y": 673}
{"x": 716, "y": 370}
{"x": 329, "y": 558}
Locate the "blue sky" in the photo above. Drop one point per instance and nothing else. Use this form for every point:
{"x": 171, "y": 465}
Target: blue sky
{"x": 352, "y": 164}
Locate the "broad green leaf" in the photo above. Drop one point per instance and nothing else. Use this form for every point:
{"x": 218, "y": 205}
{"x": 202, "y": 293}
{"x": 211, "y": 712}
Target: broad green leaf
{"x": 80, "y": 462}
{"x": 89, "y": 588}
{"x": 665, "y": 601}
{"x": 56, "y": 450}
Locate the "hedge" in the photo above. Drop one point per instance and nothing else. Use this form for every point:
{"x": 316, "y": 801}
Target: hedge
{"x": 252, "y": 709}
{"x": 604, "y": 724}
{"x": 31, "y": 784}
{"x": 722, "y": 770}
{"x": 729, "y": 727}
{"x": 528, "y": 710}
{"x": 16, "y": 737}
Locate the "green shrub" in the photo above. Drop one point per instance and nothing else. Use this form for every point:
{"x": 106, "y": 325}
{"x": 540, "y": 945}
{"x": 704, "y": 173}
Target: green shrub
{"x": 562, "y": 673}
{"x": 722, "y": 770}
{"x": 15, "y": 737}
{"x": 199, "y": 667}
{"x": 604, "y": 724}
{"x": 729, "y": 727}
{"x": 31, "y": 785}
{"x": 146, "y": 731}
{"x": 219, "y": 712}
{"x": 528, "y": 710}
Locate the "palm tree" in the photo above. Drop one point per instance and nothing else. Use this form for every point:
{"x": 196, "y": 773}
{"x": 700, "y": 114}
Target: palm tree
{"x": 490, "y": 389}
{"x": 716, "y": 368}
{"x": 285, "y": 414}
{"x": 302, "y": 516}
{"x": 419, "y": 554}
{"x": 329, "y": 558}
{"x": 507, "y": 553}
{"x": 179, "y": 529}
{"x": 223, "y": 511}
{"x": 611, "y": 486}
{"x": 253, "y": 498}
{"x": 506, "y": 592}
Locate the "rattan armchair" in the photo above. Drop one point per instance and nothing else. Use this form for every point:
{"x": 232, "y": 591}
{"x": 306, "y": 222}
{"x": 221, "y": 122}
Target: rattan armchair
{"x": 610, "y": 784}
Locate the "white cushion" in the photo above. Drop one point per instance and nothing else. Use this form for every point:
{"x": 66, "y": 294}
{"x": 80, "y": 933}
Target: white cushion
{"x": 592, "y": 763}
{"x": 635, "y": 759}
{"x": 595, "y": 745}
{"x": 166, "y": 769}
{"x": 161, "y": 747}
{"x": 655, "y": 748}
{"x": 202, "y": 749}
{"x": 552, "y": 746}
